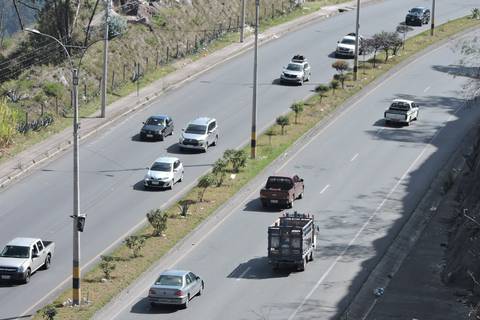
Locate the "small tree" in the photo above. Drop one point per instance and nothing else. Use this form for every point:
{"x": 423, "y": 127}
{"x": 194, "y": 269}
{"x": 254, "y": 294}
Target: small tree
{"x": 341, "y": 66}
{"x": 334, "y": 84}
{"x": 297, "y": 107}
{"x": 383, "y": 39}
{"x": 184, "y": 205}
{"x": 270, "y": 133}
{"x": 283, "y": 121}
{"x": 158, "y": 221}
{"x": 322, "y": 89}
{"x": 404, "y": 29}
{"x": 107, "y": 264}
{"x": 135, "y": 243}
{"x": 375, "y": 44}
{"x": 219, "y": 170}
{"x": 117, "y": 25}
{"x": 203, "y": 184}
{"x": 395, "y": 42}
{"x": 239, "y": 160}
{"x": 367, "y": 48}
{"x": 48, "y": 312}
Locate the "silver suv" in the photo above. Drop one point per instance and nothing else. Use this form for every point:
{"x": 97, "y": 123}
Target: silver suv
{"x": 199, "y": 134}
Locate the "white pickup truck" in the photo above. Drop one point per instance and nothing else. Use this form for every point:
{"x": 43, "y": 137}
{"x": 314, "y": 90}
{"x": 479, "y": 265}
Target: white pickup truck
{"x": 21, "y": 257}
{"x": 401, "y": 111}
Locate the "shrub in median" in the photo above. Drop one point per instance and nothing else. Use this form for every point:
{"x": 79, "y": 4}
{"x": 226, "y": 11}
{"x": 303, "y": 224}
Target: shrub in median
{"x": 158, "y": 221}
{"x": 107, "y": 264}
{"x": 135, "y": 243}
{"x": 219, "y": 170}
{"x": 283, "y": 121}
{"x": 297, "y": 108}
{"x": 48, "y": 312}
{"x": 204, "y": 183}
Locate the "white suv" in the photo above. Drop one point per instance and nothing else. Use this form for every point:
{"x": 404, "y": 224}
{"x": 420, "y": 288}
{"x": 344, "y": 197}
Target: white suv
{"x": 297, "y": 71}
{"x": 346, "y": 47}
{"x": 199, "y": 134}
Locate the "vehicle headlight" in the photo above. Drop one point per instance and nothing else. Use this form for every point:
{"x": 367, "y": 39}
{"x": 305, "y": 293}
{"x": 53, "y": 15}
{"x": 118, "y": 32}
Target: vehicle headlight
{"x": 147, "y": 177}
{"x": 21, "y": 269}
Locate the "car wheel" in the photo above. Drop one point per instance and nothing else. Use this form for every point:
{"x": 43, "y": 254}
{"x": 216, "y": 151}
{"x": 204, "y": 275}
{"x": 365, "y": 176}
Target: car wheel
{"x": 300, "y": 196}
{"x": 142, "y": 136}
{"x": 276, "y": 266}
{"x": 215, "y": 142}
{"x": 162, "y": 137}
{"x": 46, "y": 264}
{"x": 181, "y": 178}
{"x": 185, "y": 305}
{"x": 200, "y": 291}
{"x": 311, "y": 256}
{"x": 301, "y": 266}
{"x": 27, "y": 276}
{"x": 290, "y": 204}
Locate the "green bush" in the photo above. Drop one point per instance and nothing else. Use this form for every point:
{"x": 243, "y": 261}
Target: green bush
{"x": 322, "y": 89}
{"x": 135, "y": 243}
{"x": 8, "y": 123}
{"x": 48, "y": 312}
{"x": 107, "y": 264}
{"x": 203, "y": 184}
{"x": 158, "y": 221}
{"x": 219, "y": 170}
{"x": 117, "y": 25}
{"x": 237, "y": 158}
{"x": 297, "y": 107}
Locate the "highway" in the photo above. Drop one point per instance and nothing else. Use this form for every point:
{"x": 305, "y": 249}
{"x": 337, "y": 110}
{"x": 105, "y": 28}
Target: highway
{"x": 113, "y": 165}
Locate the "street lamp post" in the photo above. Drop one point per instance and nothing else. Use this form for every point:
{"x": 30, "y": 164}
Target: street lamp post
{"x": 357, "y": 26}
{"x": 105, "y": 61}
{"x": 253, "y": 141}
{"x": 76, "y": 180}
{"x": 432, "y": 26}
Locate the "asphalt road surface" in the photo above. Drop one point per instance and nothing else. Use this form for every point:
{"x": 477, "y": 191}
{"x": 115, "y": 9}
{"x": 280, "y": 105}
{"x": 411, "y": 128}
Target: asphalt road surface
{"x": 113, "y": 163}
{"x": 363, "y": 179}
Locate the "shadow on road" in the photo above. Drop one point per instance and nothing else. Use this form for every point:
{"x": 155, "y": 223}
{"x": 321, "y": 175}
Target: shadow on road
{"x": 143, "y": 307}
{"x": 256, "y": 206}
{"x": 258, "y": 269}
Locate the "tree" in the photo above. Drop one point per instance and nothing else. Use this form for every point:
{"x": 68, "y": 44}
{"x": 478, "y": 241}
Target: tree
{"x": 107, "y": 264}
{"x": 55, "y": 19}
{"x": 237, "y": 158}
{"x": 341, "y": 66}
{"x": 367, "y": 48}
{"x": 48, "y": 312}
{"x": 158, "y": 221}
{"x": 297, "y": 107}
{"x": 203, "y": 184}
{"x": 322, "y": 89}
{"x": 270, "y": 133}
{"x": 375, "y": 44}
{"x": 404, "y": 29}
{"x": 334, "y": 84}
{"x": 135, "y": 243}
{"x": 219, "y": 170}
{"x": 395, "y": 42}
{"x": 384, "y": 40}
{"x": 283, "y": 121}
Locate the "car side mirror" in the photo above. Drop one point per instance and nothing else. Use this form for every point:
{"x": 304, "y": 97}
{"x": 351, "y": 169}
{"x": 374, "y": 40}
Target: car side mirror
{"x": 35, "y": 255}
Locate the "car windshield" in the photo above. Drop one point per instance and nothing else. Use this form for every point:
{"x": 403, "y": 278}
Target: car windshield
{"x": 294, "y": 67}
{"x": 416, "y": 10}
{"x": 348, "y": 41}
{"x": 161, "y": 166}
{"x": 401, "y": 106}
{"x": 15, "y": 252}
{"x": 165, "y": 280}
{"x": 155, "y": 122}
{"x": 196, "y": 129}
{"x": 279, "y": 183}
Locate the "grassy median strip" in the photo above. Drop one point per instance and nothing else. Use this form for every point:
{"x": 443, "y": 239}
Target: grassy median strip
{"x": 271, "y": 144}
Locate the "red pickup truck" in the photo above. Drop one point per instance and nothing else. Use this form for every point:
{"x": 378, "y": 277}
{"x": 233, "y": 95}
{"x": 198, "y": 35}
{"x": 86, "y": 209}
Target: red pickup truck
{"x": 281, "y": 191}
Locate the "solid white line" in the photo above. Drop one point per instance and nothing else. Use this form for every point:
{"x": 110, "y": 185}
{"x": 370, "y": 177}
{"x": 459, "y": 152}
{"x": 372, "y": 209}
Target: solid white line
{"x": 426, "y": 89}
{"x": 243, "y": 274}
{"x": 324, "y": 188}
{"x": 354, "y": 157}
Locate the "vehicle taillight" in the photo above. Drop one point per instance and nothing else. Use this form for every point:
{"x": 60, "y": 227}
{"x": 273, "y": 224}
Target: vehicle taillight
{"x": 151, "y": 291}
{"x": 179, "y": 293}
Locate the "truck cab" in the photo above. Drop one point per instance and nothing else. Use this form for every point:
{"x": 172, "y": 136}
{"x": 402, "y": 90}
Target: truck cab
{"x": 21, "y": 257}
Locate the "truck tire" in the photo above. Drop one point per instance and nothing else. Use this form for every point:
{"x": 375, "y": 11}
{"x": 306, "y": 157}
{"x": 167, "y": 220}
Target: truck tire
{"x": 311, "y": 256}
{"x": 264, "y": 204}
{"x": 48, "y": 260}
{"x": 275, "y": 266}
{"x": 301, "y": 266}
{"x": 28, "y": 273}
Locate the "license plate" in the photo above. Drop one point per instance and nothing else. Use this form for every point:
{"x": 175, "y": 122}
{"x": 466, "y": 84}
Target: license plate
{"x": 5, "y": 277}
{"x": 274, "y": 201}
{"x": 154, "y": 182}
{"x": 149, "y": 135}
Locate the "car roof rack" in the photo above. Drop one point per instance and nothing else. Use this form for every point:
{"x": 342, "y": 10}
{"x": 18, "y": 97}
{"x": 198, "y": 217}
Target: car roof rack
{"x": 299, "y": 58}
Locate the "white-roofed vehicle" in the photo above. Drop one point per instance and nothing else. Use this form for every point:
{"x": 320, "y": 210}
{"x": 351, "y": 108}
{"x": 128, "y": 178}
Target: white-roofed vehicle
{"x": 346, "y": 47}
{"x": 401, "y": 111}
{"x": 164, "y": 173}
{"x": 21, "y": 257}
{"x": 199, "y": 134}
{"x": 297, "y": 71}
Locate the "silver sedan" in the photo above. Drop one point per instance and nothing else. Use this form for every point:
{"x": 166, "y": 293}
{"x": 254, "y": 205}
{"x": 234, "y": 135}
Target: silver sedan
{"x": 175, "y": 287}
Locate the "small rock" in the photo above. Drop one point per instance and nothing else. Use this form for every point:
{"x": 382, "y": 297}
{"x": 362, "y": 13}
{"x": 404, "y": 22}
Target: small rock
{"x": 104, "y": 280}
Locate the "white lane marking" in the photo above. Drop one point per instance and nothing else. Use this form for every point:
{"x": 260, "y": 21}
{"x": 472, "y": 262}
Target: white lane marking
{"x": 324, "y": 188}
{"x": 354, "y": 157}
{"x": 340, "y": 256}
{"x": 243, "y": 274}
{"x": 426, "y": 89}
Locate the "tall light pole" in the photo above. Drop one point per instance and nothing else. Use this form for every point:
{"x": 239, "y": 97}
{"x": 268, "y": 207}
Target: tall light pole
{"x": 355, "y": 58}
{"x": 105, "y": 60}
{"x": 253, "y": 141}
{"x": 432, "y": 26}
{"x": 242, "y": 21}
{"x": 76, "y": 180}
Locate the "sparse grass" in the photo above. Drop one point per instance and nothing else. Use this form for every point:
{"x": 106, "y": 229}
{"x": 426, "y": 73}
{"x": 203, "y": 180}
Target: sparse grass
{"x": 269, "y": 148}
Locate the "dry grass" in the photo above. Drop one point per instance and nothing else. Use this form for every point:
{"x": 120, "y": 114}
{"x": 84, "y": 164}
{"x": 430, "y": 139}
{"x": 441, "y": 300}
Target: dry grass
{"x": 129, "y": 269}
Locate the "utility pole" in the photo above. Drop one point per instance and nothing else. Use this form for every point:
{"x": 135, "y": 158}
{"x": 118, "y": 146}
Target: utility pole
{"x": 76, "y": 193}
{"x": 357, "y": 26}
{"x": 242, "y": 21}
{"x": 253, "y": 142}
{"x": 105, "y": 60}
{"x": 432, "y": 27}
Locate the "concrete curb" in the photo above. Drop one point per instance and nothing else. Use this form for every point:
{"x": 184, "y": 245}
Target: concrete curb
{"x": 23, "y": 163}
